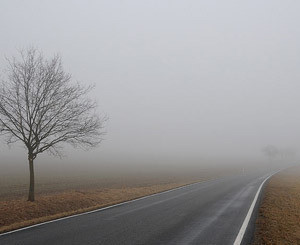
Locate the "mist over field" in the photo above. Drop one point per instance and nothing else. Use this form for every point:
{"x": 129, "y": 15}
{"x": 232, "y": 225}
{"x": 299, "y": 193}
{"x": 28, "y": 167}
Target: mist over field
{"x": 184, "y": 83}
{"x": 149, "y": 122}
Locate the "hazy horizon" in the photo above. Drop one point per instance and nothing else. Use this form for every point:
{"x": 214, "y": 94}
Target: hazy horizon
{"x": 183, "y": 80}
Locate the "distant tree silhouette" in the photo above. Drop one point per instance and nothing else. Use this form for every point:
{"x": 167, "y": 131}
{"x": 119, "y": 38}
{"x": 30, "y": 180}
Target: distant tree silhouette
{"x": 271, "y": 152}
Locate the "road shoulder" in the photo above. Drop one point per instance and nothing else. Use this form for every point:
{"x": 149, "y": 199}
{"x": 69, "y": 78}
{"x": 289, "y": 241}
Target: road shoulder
{"x": 279, "y": 212}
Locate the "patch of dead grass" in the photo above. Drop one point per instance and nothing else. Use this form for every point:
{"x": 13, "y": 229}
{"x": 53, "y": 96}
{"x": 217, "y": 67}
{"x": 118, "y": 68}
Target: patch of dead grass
{"x": 279, "y": 215}
{"x": 19, "y": 213}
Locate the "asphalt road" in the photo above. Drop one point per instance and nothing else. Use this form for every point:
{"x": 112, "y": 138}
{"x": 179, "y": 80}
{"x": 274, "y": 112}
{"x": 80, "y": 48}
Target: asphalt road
{"x": 210, "y": 212}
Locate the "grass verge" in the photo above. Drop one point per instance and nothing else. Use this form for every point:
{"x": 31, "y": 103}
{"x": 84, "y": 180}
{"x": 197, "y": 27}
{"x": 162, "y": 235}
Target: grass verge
{"x": 18, "y": 213}
{"x": 278, "y": 220}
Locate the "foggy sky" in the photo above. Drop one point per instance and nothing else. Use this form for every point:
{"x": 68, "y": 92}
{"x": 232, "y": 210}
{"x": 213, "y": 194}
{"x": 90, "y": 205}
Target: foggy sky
{"x": 177, "y": 78}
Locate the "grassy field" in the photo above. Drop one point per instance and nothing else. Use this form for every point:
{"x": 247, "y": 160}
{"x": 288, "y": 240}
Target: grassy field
{"x": 279, "y": 215}
{"x": 62, "y": 196}
{"x": 67, "y": 193}
{"x": 16, "y": 213}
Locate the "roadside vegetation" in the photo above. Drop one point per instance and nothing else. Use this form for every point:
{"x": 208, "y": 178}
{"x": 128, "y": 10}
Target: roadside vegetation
{"x": 279, "y": 214}
{"x": 16, "y": 213}
{"x": 64, "y": 195}
{"x": 61, "y": 199}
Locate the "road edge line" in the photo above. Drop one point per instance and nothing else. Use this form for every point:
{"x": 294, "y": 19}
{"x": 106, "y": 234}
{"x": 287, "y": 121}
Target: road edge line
{"x": 108, "y": 207}
{"x": 240, "y": 236}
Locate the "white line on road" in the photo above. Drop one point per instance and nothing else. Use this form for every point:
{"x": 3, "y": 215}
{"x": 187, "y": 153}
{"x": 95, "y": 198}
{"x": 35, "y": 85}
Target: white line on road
{"x": 108, "y": 207}
{"x": 243, "y": 229}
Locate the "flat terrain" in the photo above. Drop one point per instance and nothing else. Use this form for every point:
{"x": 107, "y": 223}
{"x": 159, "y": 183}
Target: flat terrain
{"x": 67, "y": 193}
{"x": 209, "y": 212}
{"x": 16, "y": 212}
{"x": 279, "y": 215}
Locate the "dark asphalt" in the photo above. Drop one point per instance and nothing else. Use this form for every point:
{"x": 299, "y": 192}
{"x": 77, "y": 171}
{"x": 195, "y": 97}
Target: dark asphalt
{"x": 210, "y": 212}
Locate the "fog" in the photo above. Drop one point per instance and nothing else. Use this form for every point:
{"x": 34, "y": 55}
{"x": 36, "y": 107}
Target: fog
{"x": 182, "y": 82}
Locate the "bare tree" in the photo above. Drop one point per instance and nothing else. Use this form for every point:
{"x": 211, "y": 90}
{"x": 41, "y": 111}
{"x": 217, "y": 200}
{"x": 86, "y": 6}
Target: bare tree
{"x": 41, "y": 107}
{"x": 271, "y": 152}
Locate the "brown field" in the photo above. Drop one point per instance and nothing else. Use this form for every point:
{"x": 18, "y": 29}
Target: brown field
{"x": 62, "y": 197}
{"x": 65, "y": 193}
{"x": 18, "y": 213}
{"x": 279, "y": 215}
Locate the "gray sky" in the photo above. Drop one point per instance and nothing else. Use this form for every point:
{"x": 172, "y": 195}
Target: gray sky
{"x": 179, "y": 78}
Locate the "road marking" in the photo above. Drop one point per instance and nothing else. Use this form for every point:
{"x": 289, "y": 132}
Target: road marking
{"x": 243, "y": 229}
{"x": 108, "y": 207}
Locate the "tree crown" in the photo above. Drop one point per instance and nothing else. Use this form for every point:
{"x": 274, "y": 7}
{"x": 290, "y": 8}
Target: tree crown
{"x": 43, "y": 108}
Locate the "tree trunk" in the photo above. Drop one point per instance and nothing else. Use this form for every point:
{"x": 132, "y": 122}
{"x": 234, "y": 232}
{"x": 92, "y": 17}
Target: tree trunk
{"x": 31, "y": 185}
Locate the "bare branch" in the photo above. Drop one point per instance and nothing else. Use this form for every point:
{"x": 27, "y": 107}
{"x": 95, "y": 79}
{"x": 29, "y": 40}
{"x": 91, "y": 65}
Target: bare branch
{"x": 43, "y": 108}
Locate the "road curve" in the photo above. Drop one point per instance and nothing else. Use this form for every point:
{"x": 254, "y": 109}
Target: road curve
{"x": 210, "y": 212}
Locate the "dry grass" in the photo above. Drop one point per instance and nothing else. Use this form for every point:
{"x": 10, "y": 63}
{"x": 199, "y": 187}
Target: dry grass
{"x": 17, "y": 213}
{"x": 279, "y": 214}
{"x": 68, "y": 193}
